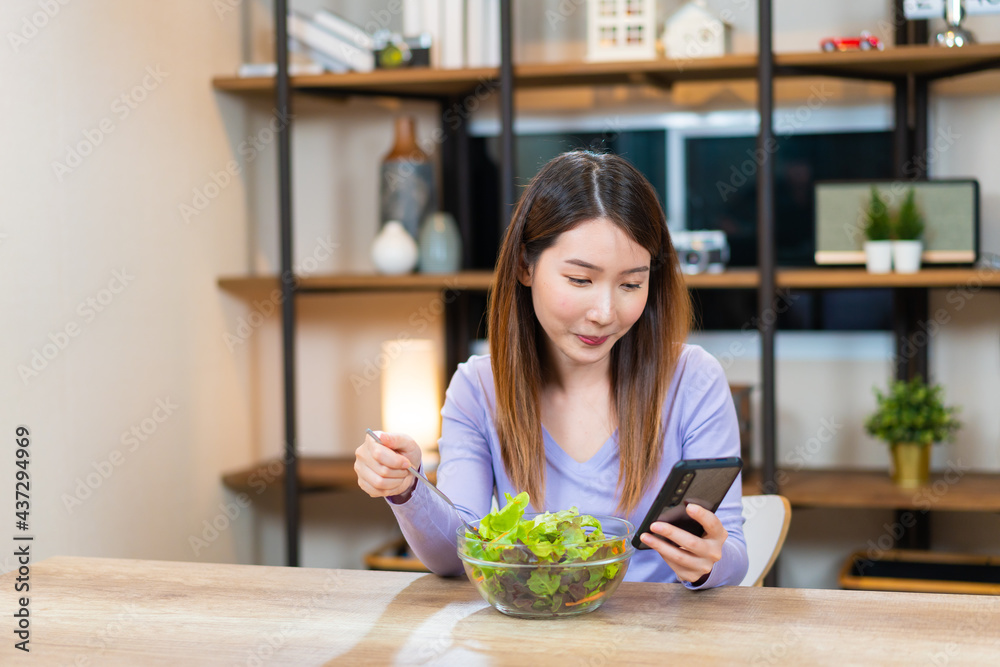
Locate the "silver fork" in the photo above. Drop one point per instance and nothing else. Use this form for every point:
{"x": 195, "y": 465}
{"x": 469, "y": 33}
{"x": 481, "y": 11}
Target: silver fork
{"x": 419, "y": 475}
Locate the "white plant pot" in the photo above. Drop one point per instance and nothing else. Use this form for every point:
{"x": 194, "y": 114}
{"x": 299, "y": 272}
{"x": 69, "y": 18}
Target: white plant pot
{"x": 906, "y": 256}
{"x": 394, "y": 250}
{"x": 878, "y": 256}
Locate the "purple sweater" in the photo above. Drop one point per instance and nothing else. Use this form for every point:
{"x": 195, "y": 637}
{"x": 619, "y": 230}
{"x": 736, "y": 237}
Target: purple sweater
{"x": 699, "y": 422}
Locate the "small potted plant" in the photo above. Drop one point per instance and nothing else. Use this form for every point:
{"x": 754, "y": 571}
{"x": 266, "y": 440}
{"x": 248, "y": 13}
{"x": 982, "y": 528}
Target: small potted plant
{"x": 907, "y": 230}
{"x": 878, "y": 246}
{"x": 910, "y": 418}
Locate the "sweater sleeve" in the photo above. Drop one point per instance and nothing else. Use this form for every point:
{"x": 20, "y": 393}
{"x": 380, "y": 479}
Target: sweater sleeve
{"x": 465, "y": 475}
{"x": 711, "y": 430}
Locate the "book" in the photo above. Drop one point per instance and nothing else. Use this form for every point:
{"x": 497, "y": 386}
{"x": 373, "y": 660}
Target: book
{"x": 250, "y": 70}
{"x": 326, "y": 48}
{"x": 341, "y": 27}
{"x": 413, "y": 18}
{"x": 452, "y": 38}
{"x": 431, "y": 23}
{"x": 482, "y": 33}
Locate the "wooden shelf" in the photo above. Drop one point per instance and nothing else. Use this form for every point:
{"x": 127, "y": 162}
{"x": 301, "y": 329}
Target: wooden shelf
{"x": 317, "y": 473}
{"x": 463, "y": 281}
{"x": 838, "y": 278}
{"x": 968, "y": 492}
{"x": 364, "y": 282}
{"x": 852, "y": 278}
{"x": 729, "y": 279}
{"x": 893, "y": 62}
{"x": 421, "y": 81}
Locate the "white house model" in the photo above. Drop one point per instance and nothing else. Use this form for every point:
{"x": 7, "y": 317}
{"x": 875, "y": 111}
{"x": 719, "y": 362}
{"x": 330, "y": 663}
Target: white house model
{"x": 695, "y": 32}
{"x": 621, "y": 30}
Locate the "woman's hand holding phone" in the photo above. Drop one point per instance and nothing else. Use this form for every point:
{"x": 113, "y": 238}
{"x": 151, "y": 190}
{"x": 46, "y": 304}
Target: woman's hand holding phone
{"x": 382, "y": 468}
{"x": 690, "y": 557}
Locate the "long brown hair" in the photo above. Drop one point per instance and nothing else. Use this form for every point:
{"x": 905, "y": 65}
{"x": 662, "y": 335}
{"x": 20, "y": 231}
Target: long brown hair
{"x": 572, "y": 188}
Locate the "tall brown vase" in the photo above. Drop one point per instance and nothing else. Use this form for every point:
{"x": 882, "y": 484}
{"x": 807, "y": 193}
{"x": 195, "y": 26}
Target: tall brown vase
{"x": 407, "y": 180}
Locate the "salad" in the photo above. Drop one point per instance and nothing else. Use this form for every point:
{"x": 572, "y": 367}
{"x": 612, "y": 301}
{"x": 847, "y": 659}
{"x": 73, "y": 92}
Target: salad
{"x": 553, "y": 563}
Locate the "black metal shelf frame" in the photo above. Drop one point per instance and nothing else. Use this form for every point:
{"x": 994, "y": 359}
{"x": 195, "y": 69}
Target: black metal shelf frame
{"x": 910, "y": 141}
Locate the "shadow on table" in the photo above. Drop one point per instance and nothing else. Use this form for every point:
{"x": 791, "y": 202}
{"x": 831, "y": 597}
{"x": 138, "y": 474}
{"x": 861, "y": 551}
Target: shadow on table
{"x": 408, "y": 613}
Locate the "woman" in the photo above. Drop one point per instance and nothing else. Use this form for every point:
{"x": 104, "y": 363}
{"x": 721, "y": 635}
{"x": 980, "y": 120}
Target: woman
{"x": 589, "y": 395}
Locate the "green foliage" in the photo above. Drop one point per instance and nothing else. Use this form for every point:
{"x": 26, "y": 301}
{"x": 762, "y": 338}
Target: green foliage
{"x": 909, "y": 220}
{"x": 912, "y": 412}
{"x": 877, "y": 222}
{"x": 541, "y": 563}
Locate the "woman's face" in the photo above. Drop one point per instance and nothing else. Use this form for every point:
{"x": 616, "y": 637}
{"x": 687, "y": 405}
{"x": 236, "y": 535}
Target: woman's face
{"x": 588, "y": 289}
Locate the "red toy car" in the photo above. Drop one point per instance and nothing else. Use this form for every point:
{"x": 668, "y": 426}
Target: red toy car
{"x": 866, "y": 42}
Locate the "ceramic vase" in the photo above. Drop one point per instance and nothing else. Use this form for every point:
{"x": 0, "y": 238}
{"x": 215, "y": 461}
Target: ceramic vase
{"x": 440, "y": 244}
{"x": 878, "y": 256}
{"x": 406, "y": 190}
{"x": 394, "y": 250}
{"x": 906, "y": 256}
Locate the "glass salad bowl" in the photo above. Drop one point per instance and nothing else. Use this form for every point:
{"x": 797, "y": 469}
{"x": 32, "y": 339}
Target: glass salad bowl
{"x": 548, "y": 565}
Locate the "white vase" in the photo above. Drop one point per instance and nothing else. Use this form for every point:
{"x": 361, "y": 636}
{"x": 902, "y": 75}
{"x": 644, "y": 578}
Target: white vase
{"x": 394, "y": 250}
{"x": 440, "y": 244}
{"x": 878, "y": 256}
{"x": 906, "y": 256}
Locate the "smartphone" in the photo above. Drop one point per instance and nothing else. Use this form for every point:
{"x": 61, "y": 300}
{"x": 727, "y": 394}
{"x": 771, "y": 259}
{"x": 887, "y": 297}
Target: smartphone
{"x": 703, "y": 482}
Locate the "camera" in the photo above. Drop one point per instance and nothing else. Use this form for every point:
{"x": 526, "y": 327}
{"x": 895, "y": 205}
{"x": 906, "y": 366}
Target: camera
{"x": 704, "y": 251}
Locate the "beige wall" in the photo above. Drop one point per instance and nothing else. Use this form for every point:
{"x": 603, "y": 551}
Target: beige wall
{"x": 164, "y": 335}
{"x": 154, "y": 332}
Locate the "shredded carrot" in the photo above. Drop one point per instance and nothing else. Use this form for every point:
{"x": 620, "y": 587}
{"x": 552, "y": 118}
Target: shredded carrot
{"x": 589, "y": 598}
{"x": 479, "y": 578}
{"x": 502, "y": 535}
{"x": 614, "y": 550}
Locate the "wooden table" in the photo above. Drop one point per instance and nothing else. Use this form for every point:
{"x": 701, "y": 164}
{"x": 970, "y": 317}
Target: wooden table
{"x": 89, "y": 611}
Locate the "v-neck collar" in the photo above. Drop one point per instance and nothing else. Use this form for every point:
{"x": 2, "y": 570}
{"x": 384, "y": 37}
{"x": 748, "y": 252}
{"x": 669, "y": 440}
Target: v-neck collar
{"x": 600, "y": 457}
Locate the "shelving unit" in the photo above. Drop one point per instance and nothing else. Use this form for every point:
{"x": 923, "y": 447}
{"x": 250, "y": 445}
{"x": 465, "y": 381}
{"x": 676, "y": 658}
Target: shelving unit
{"x": 909, "y": 67}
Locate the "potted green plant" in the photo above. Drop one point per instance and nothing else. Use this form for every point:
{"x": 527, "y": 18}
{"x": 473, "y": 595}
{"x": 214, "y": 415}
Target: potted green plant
{"x": 911, "y": 417}
{"x": 878, "y": 230}
{"x": 907, "y": 229}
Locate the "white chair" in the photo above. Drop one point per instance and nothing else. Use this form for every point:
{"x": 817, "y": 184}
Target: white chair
{"x": 765, "y": 527}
